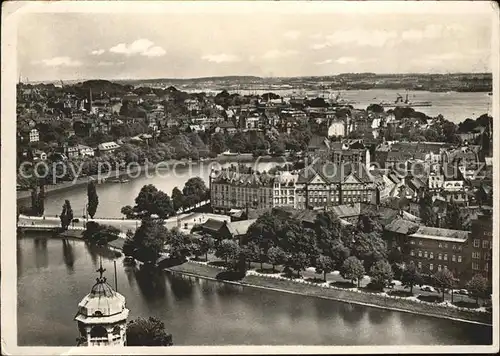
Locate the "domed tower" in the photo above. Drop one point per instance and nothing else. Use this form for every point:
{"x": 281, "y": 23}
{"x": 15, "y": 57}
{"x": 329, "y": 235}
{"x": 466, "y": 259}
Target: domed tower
{"x": 102, "y": 316}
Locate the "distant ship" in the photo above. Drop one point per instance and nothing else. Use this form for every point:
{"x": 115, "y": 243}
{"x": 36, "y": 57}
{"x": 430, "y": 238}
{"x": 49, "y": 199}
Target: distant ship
{"x": 337, "y": 100}
{"x": 405, "y": 103}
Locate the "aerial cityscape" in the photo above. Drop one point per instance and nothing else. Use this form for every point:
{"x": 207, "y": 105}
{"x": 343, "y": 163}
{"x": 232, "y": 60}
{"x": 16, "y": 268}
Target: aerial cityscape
{"x": 303, "y": 183}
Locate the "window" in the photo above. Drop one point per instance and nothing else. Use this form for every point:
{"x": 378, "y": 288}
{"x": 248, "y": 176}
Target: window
{"x": 420, "y": 242}
{"x": 412, "y": 253}
{"x": 431, "y": 255}
{"x": 445, "y": 267}
{"x": 419, "y": 264}
{"x": 476, "y": 255}
{"x": 440, "y": 257}
{"x": 486, "y": 244}
{"x": 425, "y": 254}
{"x": 476, "y": 242}
{"x": 475, "y": 266}
{"x": 439, "y": 267}
{"x": 454, "y": 247}
{"x": 413, "y": 242}
{"x": 453, "y": 258}
{"x": 459, "y": 258}
{"x": 419, "y": 253}
{"x": 445, "y": 257}
{"x": 440, "y": 245}
{"x": 445, "y": 245}
{"x": 431, "y": 266}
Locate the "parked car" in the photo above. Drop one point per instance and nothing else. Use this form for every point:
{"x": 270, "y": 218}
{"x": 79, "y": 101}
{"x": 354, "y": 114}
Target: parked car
{"x": 426, "y": 288}
{"x": 463, "y": 292}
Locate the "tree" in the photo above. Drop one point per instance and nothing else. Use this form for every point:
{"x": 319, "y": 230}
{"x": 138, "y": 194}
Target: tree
{"x": 93, "y": 199}
{"x": 369, "y": 248}
{"x": 217, "y": 143}
{"x": 177, "y": 199}
{"x": 151, "y": 201}
{"x": 228, "y": 250}
{"x": 297, "y": 261}
{"x": 147, "y": 332}
{"x": 128, "y": 211}
{"x": 477, "y": 287}
{"x": 352, "y": 269}
{"x": 381, "y": 274}
{"x": 178, "y": 244}
{"x": 250, "y": 252}
{"x": 100, "y": 233}
{"x": 444, "y": 279}
{"x": 276, "y": 256}
{"x": 425, "y": 207}
{"x": 324, "y": 264}
{"x": 149, "y": 239}
{"x": 207, "y": 244}
{"x": 163, "y": 206}
{"x": 411, "y": 276}
{"x": 453, "y": 218}
{"x": 194, "y": 191}
{"x": 66, "y": 215}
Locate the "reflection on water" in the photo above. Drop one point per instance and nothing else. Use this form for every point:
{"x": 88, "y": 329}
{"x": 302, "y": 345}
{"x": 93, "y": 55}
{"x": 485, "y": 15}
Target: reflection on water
{"x": 68, "y": 255}
{"x": 56, "y": 274}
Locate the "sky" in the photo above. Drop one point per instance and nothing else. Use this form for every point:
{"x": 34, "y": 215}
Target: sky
{"x": 53, "y": 46}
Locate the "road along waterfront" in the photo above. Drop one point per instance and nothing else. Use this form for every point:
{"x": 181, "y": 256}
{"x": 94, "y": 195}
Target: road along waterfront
{"x": 202, "y": 312}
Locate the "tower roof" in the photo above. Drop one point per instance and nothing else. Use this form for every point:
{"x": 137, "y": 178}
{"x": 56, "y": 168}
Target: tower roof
{"x": 101, "y": 303}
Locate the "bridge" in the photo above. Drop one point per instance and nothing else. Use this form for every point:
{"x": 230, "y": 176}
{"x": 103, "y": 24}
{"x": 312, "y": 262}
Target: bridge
{"x": 184, "y": 221}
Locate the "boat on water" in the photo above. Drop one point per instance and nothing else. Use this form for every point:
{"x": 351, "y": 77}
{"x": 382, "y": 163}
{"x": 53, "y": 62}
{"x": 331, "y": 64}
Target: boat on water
{"x": 399, "y": 102}
{"x": 123, "y": 180}
{"x": 229, "y": 153}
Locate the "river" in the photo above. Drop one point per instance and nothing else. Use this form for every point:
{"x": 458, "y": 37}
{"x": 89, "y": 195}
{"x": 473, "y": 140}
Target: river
{"x": 113, "y": 196}
{"x": 54, "y": 275}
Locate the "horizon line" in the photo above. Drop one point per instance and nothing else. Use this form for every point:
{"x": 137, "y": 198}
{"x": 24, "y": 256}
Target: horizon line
{"x": 249, "y": 75}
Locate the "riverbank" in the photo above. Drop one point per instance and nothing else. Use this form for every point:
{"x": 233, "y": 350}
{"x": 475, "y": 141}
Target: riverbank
{"x": 304, "y": 288}
{"x": 138, "y": 171}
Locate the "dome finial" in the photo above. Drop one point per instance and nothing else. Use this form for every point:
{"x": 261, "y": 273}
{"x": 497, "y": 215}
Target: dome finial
{"x": 101, "y": 270}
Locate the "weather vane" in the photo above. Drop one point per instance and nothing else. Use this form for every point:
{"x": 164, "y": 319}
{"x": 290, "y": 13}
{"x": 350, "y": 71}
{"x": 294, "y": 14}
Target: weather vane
{"x": 100, "y": 270}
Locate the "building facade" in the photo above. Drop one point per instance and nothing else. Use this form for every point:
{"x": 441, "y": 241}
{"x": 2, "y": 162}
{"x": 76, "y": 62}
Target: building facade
{"x": 325, "y": 185}
{"x": 234, "y": 190}
{"x": 480, "y": 246}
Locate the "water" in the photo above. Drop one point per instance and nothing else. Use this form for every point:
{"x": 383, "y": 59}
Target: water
{"x": 454, "y": 106}
{"x": 113, "y": 196}
{"x": 54, "y": 275}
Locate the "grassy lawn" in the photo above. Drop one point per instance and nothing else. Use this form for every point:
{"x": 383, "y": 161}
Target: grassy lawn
{"x": 316, "y": 289}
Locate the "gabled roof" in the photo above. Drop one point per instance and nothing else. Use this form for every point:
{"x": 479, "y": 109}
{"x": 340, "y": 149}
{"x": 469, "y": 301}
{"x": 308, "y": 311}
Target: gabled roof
{"x": 213, "y": 225}
{"x": 401, "y": 226}
{"x": 334, "y": 173}
{"x": 237, "y": 228}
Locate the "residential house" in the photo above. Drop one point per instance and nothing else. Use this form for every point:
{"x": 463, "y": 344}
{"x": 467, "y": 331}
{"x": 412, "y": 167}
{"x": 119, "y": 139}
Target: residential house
{"x": 34, "y": 135}
{"x": 284, "y": 189}
{"x": 337, "y": 128}
{"x": 79, "y": 151}
{"x": 225, "y": 127}
{"x": 106, "y": 147}
{"x": 346, "y": 152}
